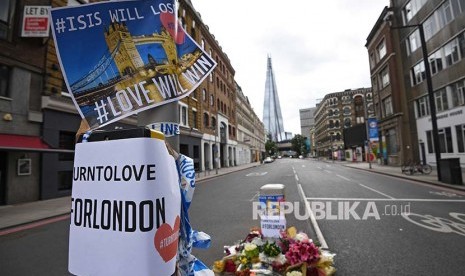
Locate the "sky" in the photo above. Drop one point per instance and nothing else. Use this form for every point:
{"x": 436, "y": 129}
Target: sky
{"x": 317, "y": 47}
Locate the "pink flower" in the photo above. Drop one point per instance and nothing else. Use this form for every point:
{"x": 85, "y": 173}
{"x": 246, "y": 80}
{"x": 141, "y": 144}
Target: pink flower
{"x": 300, "y": 252}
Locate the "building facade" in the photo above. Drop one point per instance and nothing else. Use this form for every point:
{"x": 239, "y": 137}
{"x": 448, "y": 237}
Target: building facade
{"x": 338, "y": 111}
{"x": 396, "y": 136}
{"x": 250, "y": 131}
{"x": 214, "y": 109}
{"x": 444, "y": 32}
{"x": 307, "y": 123}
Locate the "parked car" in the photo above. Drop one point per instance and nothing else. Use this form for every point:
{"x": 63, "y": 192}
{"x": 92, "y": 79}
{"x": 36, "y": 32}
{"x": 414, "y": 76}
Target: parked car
{"x": 268, "y": 160}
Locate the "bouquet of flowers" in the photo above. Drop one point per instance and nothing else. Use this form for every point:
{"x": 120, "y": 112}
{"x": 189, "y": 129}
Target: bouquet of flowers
{"x": 293, "y": 254}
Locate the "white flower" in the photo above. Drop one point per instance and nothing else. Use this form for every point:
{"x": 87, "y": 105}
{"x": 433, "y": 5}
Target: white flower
{"x": 326, "y": 257}
{"x": 294, "y": 273}
{"x": 249, "y": 246}
{"x": 258, "y": 241}
{"x": 302, "y": 237}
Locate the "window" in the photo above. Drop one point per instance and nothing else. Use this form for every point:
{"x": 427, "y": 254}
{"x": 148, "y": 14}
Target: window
{"x": 411, "y": 8}
{"x": 212, "y": 100}
{"x": 183, "y": 116}
{"x": 418, "y": 73}
{"x": 460, "y": 130}
{"x": 381, "y": 50}
{"x": 384, "y": 76}
{"x": 6, "y": 20}
{"x": 391, "y": 140}
{"x": 346, "y": 110}
{"x": 372, "y": 60}
{"x": 461, "y": 39}
{"x": 4, "y": 80}
{"x": 441, "y": 100}
{"x": 387, "y": 104}
{"x": 451, "y": 52}
{"x": 347, "y": 122}
{"x": 436, "y": 62}
{"x": 423, "y": 107}
{"x": 202, "y": 44}
{"x": 204, "y": 95}
{"x": 206, "y": 120}
{"x": 445, "y": 140}
{"x": 213, "y": 122}
{"x": 461, "y": 92}
{"x": 194, "y": 119}
{"x": 413, "y": 41}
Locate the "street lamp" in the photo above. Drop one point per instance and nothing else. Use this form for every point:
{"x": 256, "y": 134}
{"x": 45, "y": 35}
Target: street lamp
{"x": 429, "y": 85}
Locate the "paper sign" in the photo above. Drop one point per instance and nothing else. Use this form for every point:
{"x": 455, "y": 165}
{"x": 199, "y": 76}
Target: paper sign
{"x": 272, "y": 226}
{"x": 35, "y": 21}
{"x": 125, "y": 214}
{"x": 123, "y": 57}
{"x": 169, "y": 129}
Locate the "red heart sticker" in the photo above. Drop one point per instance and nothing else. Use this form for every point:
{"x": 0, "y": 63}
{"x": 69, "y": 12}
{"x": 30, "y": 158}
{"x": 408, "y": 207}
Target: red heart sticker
{"x": 169, "y": 22}
{"x": 166, "y": 240}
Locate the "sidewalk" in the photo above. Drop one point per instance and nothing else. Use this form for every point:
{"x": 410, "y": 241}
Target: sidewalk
{"x": 19, "y": 214}
{"x": 432, "y": 178}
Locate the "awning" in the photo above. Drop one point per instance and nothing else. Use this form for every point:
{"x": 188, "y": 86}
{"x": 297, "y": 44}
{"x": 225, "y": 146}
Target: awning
{"x": 13, "y": 142}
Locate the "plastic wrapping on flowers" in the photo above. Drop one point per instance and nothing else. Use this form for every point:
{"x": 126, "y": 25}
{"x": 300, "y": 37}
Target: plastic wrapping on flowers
{"x": 293, "y": 254}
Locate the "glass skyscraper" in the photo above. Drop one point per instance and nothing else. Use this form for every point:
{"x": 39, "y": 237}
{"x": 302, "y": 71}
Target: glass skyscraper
{"x": 272, "y": 117}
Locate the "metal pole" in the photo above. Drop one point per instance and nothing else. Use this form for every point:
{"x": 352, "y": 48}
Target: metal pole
{"x": 332, "y": 148}
{"x": 367, "y": 130}
{"x": 432, "y": 103}
{"x": 216, "y": 149}
{"x": 165, "y": 113}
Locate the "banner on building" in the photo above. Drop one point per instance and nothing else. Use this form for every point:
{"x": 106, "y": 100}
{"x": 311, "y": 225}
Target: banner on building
{"x": 125, "y": 214}
{"x": 123, "y": 57}
{"x": 373, "y": 129}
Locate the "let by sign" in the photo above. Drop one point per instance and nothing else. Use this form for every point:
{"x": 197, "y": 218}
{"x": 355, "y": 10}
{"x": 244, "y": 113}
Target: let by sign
{"x": 35, "y": 21}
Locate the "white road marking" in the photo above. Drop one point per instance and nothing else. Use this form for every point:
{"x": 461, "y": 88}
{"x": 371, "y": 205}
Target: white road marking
{"x": 327, "y": 171}
{"x": 303, "y": 166}
{"x": 255, "y": 196}
{"x": 445, "y": 194}
{"x": 345, "y": 178}
{"x": 383, "y": 199}
{"x": 376, "y": 191}
{"x": 317, "y": 229}
{"x": 256, "y": 174}
{"x": 319, "y": 168}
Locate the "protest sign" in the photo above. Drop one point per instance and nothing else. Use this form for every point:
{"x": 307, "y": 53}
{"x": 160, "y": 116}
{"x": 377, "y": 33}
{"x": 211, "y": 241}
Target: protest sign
{"x": 125, "y": 214}
{"x": 120, "y": 58}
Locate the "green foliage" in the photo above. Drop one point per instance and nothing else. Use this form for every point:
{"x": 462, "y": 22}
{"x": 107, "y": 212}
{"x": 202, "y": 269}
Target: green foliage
{"x": 298, "y": 144}
{"x": 271, "y": 148}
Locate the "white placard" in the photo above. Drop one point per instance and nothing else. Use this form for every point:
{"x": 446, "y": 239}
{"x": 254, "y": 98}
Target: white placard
{"x": 272, "y": 226}
{"x": 125, "y": 209}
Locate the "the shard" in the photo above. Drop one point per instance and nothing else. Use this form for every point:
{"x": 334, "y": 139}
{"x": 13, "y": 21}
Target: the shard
{"x": 272, "y": 117}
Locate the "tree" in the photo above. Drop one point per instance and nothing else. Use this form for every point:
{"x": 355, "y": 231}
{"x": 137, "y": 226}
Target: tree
{"x": 298, "y": 144}
{"x": 271, "y": 148}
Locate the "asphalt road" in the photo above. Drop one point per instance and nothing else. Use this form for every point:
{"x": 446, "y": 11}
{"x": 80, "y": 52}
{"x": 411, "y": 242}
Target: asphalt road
{"x": 358, "y": 215}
